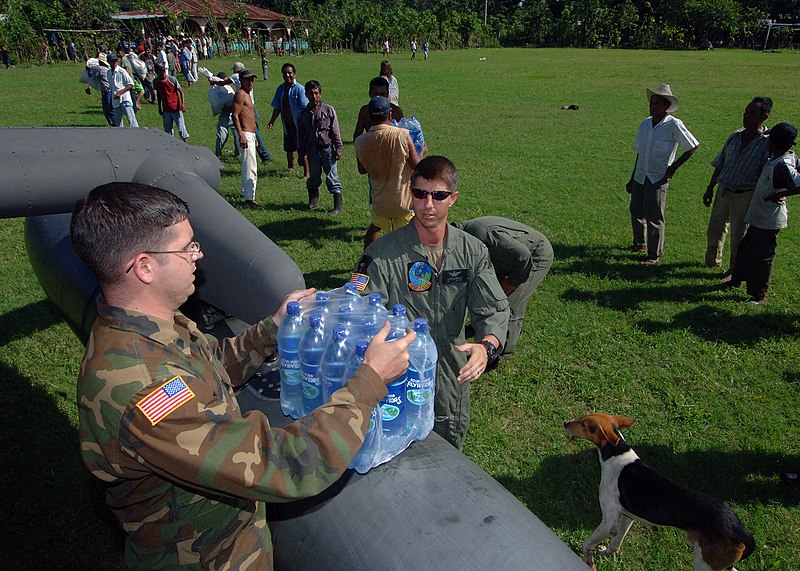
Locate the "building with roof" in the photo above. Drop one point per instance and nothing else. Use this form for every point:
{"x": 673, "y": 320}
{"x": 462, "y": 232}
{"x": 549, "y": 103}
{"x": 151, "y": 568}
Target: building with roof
{"x": 211, "y": 17}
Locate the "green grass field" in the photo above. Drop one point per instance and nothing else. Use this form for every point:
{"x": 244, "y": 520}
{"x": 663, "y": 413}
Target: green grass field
{"x": 713, "y": 381}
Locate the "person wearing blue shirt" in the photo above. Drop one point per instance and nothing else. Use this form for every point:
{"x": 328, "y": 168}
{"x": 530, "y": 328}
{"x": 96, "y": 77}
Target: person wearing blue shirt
{"x": 290, "y": 98}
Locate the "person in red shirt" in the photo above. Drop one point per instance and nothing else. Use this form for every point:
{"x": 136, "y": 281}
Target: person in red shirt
{"x": 171, "y": 104}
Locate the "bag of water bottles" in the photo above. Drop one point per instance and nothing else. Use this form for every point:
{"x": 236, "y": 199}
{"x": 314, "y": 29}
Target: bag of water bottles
{"x": 415, "y": 129}
{"x": 322, "y": 342}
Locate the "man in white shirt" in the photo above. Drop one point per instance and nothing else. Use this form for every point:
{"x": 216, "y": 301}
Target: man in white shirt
{"x": 121, "y": 87}
{"x": 656, "y": 143}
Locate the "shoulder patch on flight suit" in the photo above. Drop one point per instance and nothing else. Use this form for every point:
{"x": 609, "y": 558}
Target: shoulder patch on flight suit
{"x": 455, "y": 276}
{"x": 420, "y": 275}
{"x": 361, "y": 281}
{"x": 165, "y": 399}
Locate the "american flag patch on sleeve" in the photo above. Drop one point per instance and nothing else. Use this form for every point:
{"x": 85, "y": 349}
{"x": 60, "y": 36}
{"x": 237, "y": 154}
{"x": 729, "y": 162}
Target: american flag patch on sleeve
{"x": 165, "y": 399}
{"x": 360, "y": 280}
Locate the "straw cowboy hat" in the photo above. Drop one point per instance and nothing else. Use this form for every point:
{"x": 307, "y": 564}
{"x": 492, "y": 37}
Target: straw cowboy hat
{"x": 664, "y": 91}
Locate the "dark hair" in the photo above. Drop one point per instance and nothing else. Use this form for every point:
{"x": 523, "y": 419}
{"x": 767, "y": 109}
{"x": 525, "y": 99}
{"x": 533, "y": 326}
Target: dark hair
{"x": 782, "y": 136}
{"x": 766, "y": 103}
{"x": 386, "y": 68}
{"x": 288, "y": 64}
{"x": 312, "y": 85}
{"x": 118, "y": 220}
{"x": 378, "y": 82}
{"x": 437, "y": 168}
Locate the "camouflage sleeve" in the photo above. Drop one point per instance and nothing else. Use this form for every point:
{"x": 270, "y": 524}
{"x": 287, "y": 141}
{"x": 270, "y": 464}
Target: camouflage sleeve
{"x": 243, "y": 355}
{"x": 206, "y": 444}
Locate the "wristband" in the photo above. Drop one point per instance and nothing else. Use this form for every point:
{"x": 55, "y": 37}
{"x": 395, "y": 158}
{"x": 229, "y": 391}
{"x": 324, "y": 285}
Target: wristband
{"x": 491, "y": 351}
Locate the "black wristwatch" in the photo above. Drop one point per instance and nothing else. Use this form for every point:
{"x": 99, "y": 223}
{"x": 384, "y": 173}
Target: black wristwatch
{"x": 491, "y": 351}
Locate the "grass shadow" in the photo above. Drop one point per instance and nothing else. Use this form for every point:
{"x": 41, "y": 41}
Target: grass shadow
{"x": 312, "y": 229}
{"x": 617, "y": 263}
{"x": 24, "y": 321}
{"x": 715, "y": 324}
{"x": 45, "y": 490}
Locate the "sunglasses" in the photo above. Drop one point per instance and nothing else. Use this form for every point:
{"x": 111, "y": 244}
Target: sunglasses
{"x": 437, "y": 195}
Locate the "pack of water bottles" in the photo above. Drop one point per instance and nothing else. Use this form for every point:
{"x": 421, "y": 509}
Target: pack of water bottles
{"x": 322, "y": 342}
{"x": 415, "y": 129}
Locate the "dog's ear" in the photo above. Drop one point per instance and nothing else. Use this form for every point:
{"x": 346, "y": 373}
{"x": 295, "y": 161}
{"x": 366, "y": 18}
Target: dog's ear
{"x": 624, "y": 421}
{"x": 609, "y": 434}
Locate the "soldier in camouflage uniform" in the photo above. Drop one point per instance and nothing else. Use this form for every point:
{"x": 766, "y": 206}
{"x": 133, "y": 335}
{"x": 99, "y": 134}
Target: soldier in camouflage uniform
{"x": 439, "y": 272}
{"x": 186, "y": 473}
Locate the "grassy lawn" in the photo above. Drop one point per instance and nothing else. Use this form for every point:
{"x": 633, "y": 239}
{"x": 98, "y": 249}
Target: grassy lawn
{"x": 713, "y": 382}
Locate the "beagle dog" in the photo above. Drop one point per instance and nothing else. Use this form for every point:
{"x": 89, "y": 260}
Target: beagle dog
{"x": 631, "y": 490}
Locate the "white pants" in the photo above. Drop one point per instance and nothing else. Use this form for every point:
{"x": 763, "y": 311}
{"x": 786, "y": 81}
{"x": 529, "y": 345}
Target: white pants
{"x": 249, "y": 167}
{"x": 128, "y": 113}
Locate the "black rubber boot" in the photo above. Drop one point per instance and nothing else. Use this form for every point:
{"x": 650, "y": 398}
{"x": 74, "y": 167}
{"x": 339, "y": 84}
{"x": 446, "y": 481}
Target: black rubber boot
{"x": 313, "y": 199}
{"x": 337, "y": 204}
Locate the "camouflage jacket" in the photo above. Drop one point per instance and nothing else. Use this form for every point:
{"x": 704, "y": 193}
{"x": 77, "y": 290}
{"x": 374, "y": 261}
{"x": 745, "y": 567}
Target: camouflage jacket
{"x": 186, "y": 472}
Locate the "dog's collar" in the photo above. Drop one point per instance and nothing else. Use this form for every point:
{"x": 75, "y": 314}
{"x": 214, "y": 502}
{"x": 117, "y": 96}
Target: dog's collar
{"x": 611, "y": 450}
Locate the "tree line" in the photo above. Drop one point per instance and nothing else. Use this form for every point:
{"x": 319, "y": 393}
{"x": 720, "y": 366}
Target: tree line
{"x": 361, "y": 25}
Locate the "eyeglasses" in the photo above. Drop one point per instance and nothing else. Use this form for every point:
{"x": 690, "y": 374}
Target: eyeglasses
{"x": 437, "y": 195}
{"x": 193, "y": 249}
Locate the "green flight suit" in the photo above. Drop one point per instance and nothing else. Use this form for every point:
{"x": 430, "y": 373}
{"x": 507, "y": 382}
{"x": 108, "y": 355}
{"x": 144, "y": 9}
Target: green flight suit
{"x": 187, "y": 473}
{"x": 518, "y": 253}
{"x": 398, "y": 268}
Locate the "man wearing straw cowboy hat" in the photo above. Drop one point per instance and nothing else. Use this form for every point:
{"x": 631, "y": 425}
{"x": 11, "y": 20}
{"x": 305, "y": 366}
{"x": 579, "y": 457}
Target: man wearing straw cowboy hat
{"x": 656, "y": 143}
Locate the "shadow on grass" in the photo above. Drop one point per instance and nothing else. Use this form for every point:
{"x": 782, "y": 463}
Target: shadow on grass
{"x": 54, "y": 516}
{"x": 715, "y": 324}
{"x": 312, "y": 229}
{"x": 24, "y": 321}
{"x": 617, "y": 263}
{"x": 563, "y": 493}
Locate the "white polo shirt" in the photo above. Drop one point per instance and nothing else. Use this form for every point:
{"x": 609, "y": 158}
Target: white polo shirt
{"x": 657, "y": 147}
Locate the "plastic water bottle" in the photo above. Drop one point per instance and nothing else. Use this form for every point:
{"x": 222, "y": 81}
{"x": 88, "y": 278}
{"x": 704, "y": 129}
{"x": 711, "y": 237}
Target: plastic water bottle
{"x": 334, "y": 362}
{"x": 321, "y": 305}
{"x": 348, "y": 292}
{"x": 370, "y": 450}
{"x": 399, "y": 322}
{"x": 421, "y": 381}
{"x": 289, "y": 335}
{"x": 375, "y": 309}
{"x": 393, "y": 405}
{"x": 311, "y": 348}
{"x": 415, "y": 129}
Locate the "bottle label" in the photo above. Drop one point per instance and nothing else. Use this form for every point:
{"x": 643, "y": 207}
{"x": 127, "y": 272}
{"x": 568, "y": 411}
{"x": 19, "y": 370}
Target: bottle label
{"x": 311, "y": 383}
{"x": 290, "y": 368}
{"x": 389, "y": 412}
{"x": 310, "y": 391}
{"x": 419, "y": 387}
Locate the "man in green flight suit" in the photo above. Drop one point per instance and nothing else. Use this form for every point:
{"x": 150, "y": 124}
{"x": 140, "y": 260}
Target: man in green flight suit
{"x": 521, "y": 257}
{"x": 186, "y": 473}
{"x": 439, "y": 272}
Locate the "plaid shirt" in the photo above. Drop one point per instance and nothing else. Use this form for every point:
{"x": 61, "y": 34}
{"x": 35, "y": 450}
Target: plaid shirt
{"x": 740, "y": 168}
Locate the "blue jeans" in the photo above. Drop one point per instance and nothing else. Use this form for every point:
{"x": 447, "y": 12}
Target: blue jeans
{"x": 108, "y": 110}
{"x": 323, "y": 160}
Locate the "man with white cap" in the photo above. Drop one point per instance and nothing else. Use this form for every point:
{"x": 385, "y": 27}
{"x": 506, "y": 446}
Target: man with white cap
{"x": 656, "y": 143}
